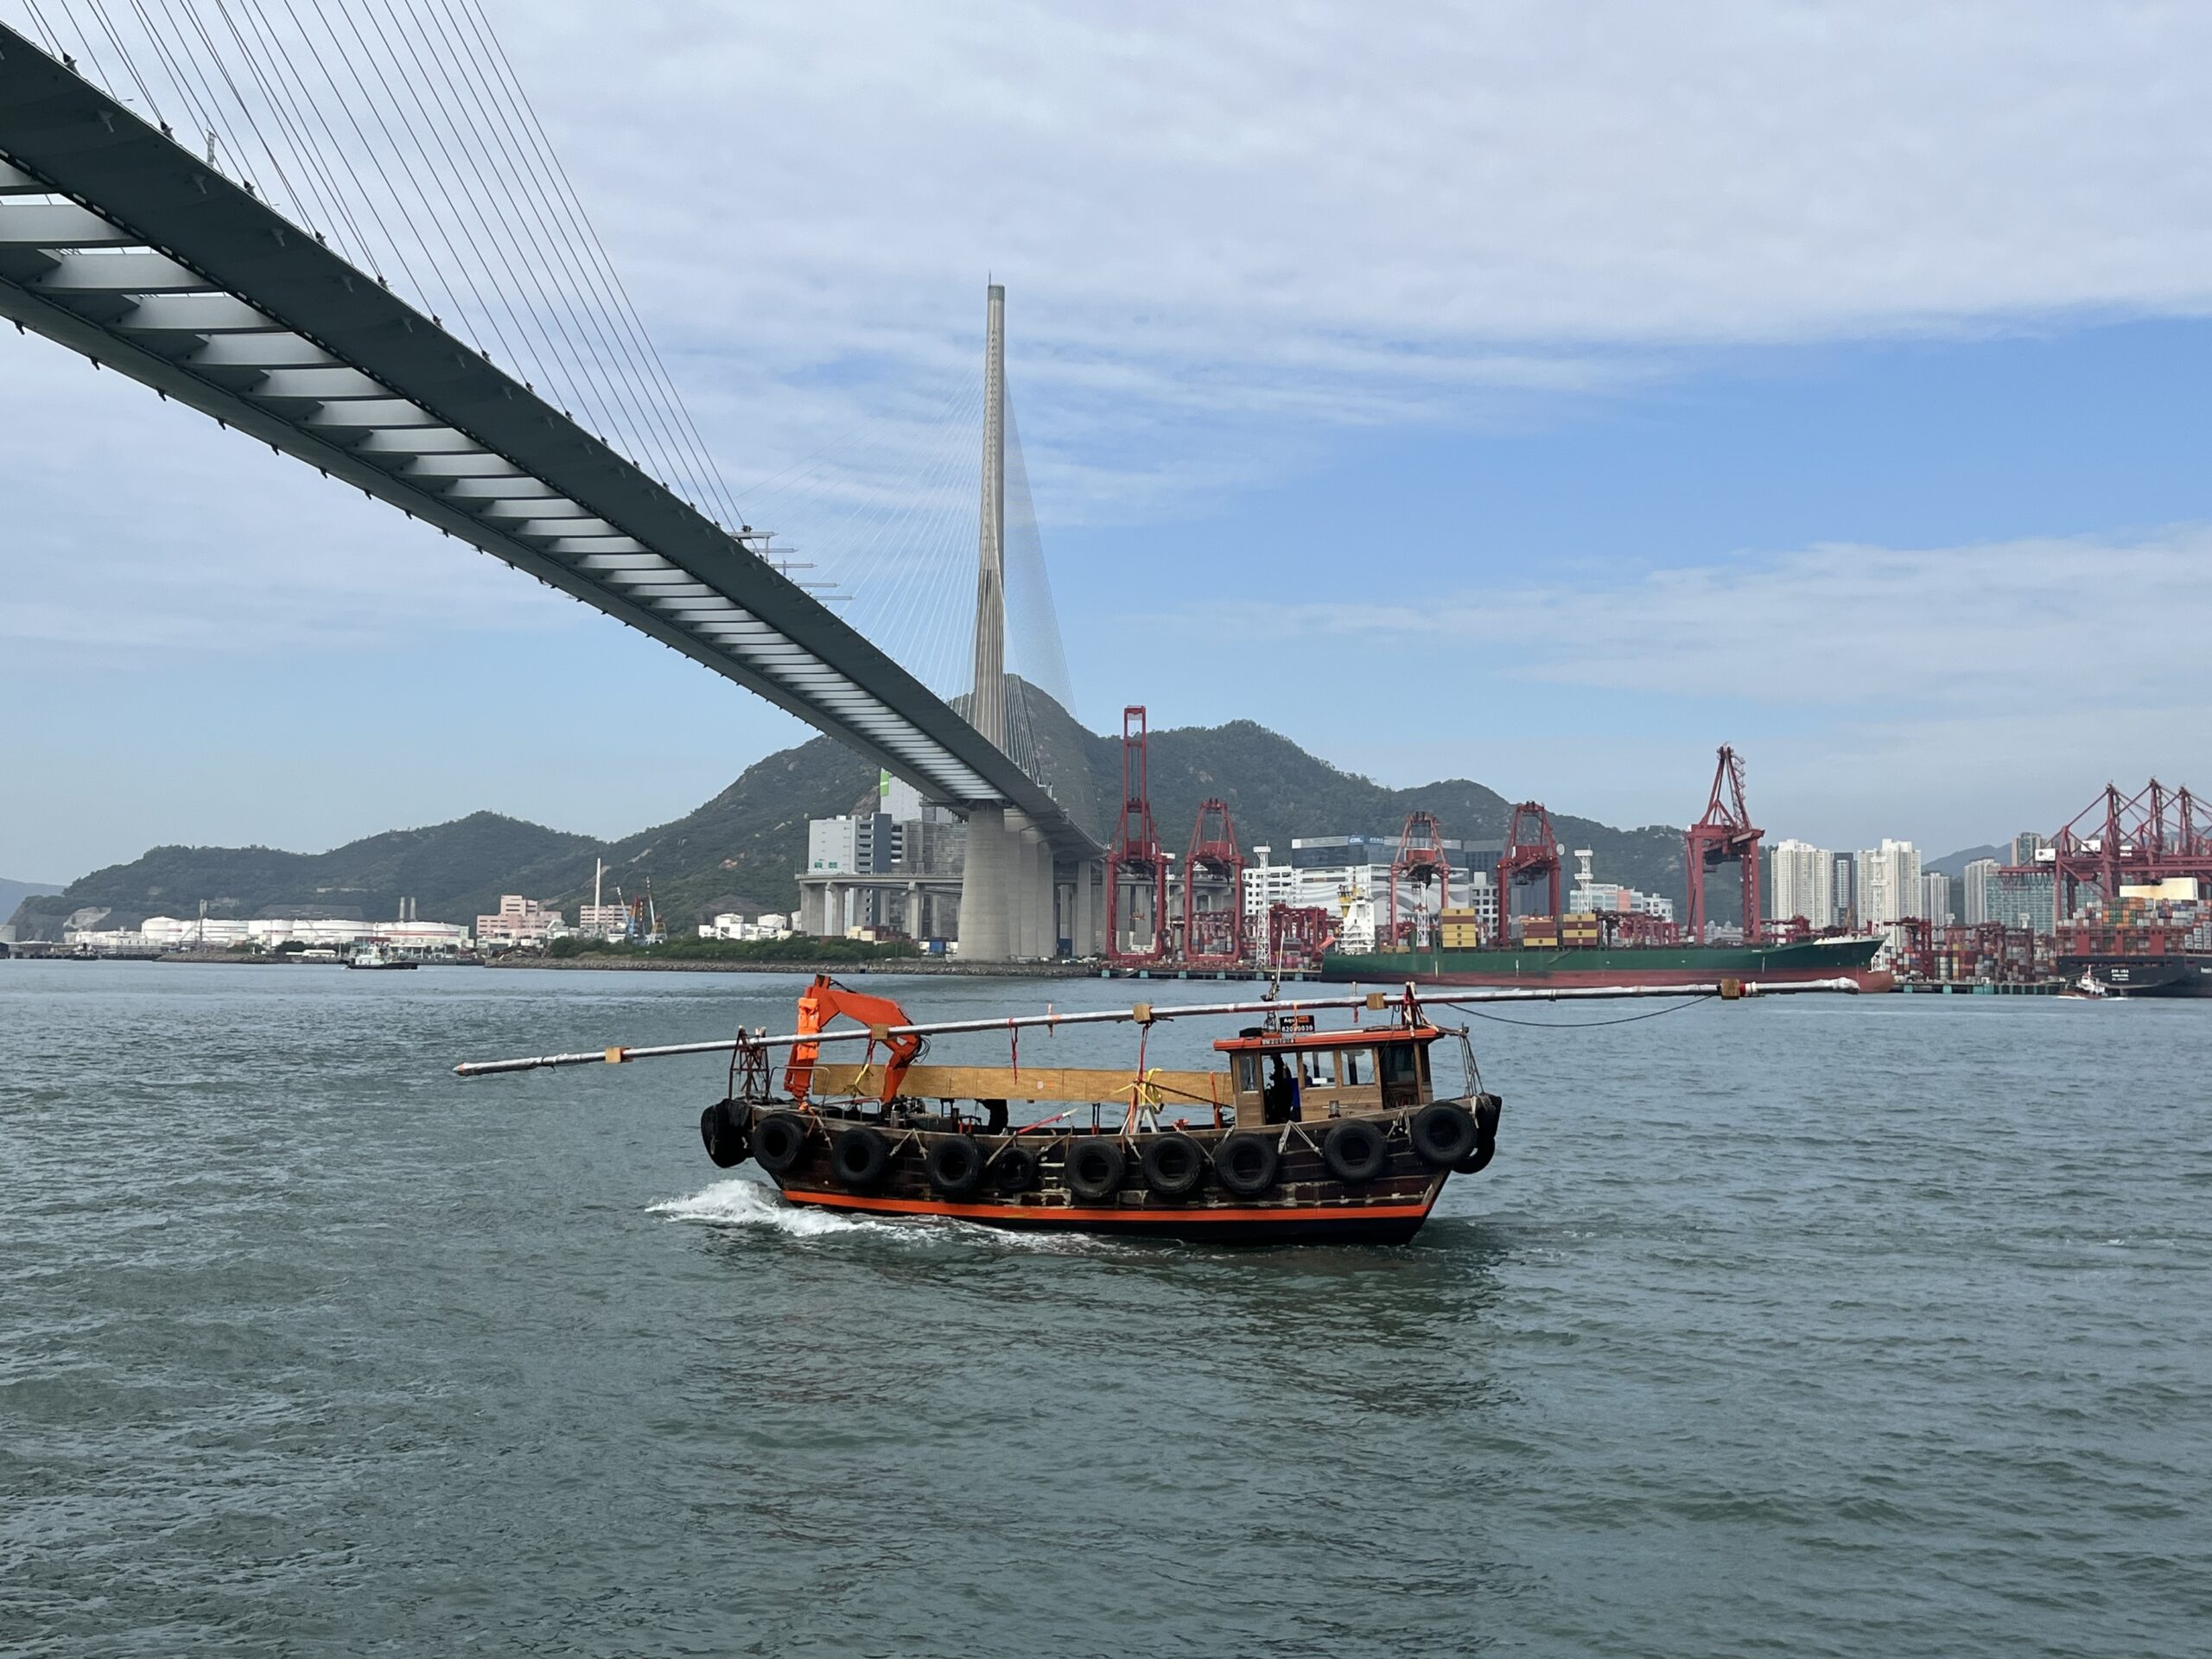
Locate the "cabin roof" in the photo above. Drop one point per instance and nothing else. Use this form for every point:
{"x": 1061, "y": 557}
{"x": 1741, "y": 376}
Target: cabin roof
{"x": 1276, "y": 1042}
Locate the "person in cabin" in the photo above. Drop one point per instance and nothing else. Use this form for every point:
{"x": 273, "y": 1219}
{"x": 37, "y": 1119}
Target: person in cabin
{"x": 1278, "y": 1099}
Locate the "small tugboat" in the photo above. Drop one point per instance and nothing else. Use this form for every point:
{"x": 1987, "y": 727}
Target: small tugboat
{"x": 1304, "y": 1134}
{"x": 370, "y": 958}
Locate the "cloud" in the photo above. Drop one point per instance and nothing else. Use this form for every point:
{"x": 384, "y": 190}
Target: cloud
{"x": 1222, "y": 223}
{"x": 211, "y": 544}
{"x": 1974, "y": 629}
{"x": 1987, "y": 628}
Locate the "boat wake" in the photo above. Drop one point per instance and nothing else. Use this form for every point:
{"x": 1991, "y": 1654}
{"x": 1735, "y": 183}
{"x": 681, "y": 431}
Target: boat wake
{"x": 741, "y": 1203}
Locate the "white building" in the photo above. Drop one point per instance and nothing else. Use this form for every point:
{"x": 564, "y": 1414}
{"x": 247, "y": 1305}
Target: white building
{"x": 1348, "y": 876}
{"x": 1887, "y": 879}
{"x": 271, "y": 932}
{"x": 731, "y": 925}
{"x": 1804, "y": 884}
{"x": 1935, "y": 899}
{"x": 1267, "y": 885}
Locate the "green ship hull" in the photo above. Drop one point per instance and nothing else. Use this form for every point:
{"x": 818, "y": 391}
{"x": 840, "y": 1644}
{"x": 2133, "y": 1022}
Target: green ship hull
{"x": 1687, "y": 964}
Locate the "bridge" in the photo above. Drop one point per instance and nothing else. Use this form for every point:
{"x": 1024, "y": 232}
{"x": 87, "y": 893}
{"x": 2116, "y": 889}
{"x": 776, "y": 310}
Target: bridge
{"x": 122, "y": 243}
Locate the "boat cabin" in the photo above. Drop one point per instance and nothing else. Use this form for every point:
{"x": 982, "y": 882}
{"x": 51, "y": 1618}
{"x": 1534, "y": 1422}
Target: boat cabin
{"x": 1282, "y": 1075}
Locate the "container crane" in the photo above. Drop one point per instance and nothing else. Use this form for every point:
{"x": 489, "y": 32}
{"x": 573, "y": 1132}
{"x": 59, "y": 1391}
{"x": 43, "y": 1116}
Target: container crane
{"x": 1531, "y": 850}
{"x": 1135, "y": 862}
{"x": 1213, "y": 939}
{"x": 1724, "y": 835}
{"x": 1420, "y": 864}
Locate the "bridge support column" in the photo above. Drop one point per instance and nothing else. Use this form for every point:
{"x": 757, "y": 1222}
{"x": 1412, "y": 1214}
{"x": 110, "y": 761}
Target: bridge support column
{"x": 986, "y": 887}
{"x": 1021, "y": 887}
{"x": 1036, "y": 896}
{"x": 1083, "y": 929}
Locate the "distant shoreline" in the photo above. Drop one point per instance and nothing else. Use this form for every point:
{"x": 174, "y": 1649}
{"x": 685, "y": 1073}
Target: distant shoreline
{"x": 892, "y": 965}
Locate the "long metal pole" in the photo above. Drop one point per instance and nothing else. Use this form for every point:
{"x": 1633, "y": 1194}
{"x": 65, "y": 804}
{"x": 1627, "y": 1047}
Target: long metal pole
{"x": 1145, "y": 1012}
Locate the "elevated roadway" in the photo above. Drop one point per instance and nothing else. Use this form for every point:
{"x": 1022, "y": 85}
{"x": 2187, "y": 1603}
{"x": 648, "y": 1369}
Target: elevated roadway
{"x": 120, "y": 243}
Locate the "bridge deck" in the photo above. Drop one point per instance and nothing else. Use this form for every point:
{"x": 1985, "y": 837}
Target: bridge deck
{"x": 119, "y": 242}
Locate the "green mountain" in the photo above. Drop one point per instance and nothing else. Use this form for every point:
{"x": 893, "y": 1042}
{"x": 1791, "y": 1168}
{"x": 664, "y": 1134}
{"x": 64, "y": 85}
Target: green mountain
{"x": 740, "y": 850}
{"x": 454, "y": 871}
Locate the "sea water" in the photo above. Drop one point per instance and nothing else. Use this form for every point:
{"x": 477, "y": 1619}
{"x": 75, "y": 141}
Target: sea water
{"x": 1818, "y": 1325}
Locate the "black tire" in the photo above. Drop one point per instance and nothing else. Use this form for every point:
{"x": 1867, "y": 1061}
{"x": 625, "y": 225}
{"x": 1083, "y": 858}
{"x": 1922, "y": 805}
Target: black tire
{"x": 1096, "y": 1167}
{"x": 1355, "y": 1152}
{"x": 725, "y": 1141}
{"x": 1444, "y": 1133}
{"x": 955, "y": 1167}
{"x": 1487, "y": 1108}
{"x": 1014, "y": 1172}
{"x": 860, "y": 1158}
{"x": 1246, "y": 1164}
{"x": 779, "y": 1141}
{"x": 1173, "y": 1164}
{"x": 1477, "y": 1161}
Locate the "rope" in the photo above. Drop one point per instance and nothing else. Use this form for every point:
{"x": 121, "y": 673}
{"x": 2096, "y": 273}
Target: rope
{"x": 1576, "y": 1025}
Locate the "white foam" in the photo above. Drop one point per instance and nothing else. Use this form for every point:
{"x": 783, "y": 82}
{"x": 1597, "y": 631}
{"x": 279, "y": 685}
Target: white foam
{"x": 742, "y": 1202}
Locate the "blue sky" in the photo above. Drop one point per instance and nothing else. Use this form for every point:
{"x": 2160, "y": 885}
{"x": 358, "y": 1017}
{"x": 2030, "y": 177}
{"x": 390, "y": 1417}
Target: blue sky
{"x": 1531, "y": 399}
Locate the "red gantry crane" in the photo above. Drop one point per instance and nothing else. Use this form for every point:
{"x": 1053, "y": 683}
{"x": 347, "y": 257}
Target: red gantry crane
{"x": 1531, "y": 850}
{"x": 1420, "y": 864}
{"x": 1135, "y": 861}
{"x": 2153, "y": 835}
{"x": 1725, "y": 834}
{"x": 1213, "y": 938}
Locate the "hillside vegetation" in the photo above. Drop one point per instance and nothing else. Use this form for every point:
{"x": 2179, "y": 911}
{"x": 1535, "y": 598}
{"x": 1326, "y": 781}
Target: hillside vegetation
{"x": 740, "y": 849}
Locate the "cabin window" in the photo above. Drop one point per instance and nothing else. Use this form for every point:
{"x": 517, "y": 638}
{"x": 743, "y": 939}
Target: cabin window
{"x": 1348, "y": 1068}
{"x": 1399, "y": 1064}
{"x": 1248, "y": 1074}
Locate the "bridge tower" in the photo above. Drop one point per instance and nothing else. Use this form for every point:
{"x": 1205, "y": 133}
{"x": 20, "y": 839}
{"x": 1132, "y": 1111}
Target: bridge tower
{"x": 1008, "y": 890}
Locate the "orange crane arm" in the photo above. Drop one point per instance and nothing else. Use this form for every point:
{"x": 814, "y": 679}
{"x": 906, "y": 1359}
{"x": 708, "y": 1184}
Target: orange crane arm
{"x": 823, "y": 1001}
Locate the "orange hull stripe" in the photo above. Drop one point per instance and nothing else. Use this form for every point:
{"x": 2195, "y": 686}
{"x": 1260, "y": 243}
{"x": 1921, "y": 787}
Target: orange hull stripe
{"x": 1038, "y": 1213}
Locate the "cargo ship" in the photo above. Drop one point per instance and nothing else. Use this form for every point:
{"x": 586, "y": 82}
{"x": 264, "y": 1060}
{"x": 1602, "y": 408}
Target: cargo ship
{"x": 2138, "y": 976}
{"x": 1564, "y": 966}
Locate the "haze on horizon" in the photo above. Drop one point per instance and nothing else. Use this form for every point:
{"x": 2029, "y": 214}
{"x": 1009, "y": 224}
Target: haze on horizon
{"x": 1532, "y": 397}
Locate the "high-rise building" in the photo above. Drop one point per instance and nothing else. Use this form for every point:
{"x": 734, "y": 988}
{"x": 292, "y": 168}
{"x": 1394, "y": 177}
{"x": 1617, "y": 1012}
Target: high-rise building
{"x": 2028, "y": 902}
{"x": 1935, "y": 899}
{"x": 2026, "y": 845}
{"x": 1847, "y": 889}
{"x": 1804, "y": 884}
{"x": 1887, "y": 883}
{"x": 1979, "y": 898}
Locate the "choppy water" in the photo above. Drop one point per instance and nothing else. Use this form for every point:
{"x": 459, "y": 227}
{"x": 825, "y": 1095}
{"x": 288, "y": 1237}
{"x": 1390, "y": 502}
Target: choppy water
{"x": 1820, "y": 1326}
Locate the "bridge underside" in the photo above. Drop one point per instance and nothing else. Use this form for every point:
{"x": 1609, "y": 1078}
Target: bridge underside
{"x": 116, "y": 242}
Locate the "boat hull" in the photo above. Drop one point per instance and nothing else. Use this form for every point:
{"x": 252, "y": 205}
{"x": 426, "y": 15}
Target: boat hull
{"x": 1306, "y": 1203}
{"x": 1375, "y": 1223}
{"x": 2178, "y": 975}
{"x": 1653, "y": 965}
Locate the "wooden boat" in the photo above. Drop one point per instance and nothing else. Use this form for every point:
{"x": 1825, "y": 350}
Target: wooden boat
{"x": 1304, "y": 1133}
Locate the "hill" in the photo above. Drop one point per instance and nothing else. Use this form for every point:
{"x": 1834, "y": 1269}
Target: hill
{"x": 740, "y": 850}
{"x": 14, "y": 893}
{"x": 454, "y": 871}
{"x": 1954, "y": 864}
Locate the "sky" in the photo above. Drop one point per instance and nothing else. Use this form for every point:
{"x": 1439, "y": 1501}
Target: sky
{"x": 1539, "y": 395}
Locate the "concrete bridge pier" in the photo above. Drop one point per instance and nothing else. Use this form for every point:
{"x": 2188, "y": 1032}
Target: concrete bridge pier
{"x": 1083, "y": 926}
{"x": 986, "y": 887}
